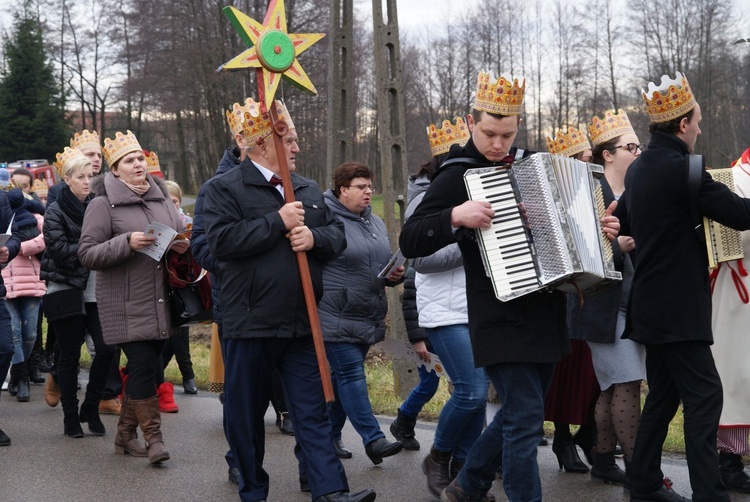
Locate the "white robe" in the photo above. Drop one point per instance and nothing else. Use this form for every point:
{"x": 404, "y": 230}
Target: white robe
{"x": 731, "y": 327}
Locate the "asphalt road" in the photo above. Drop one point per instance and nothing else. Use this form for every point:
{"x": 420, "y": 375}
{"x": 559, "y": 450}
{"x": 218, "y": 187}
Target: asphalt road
{"x": 44, "y": 465}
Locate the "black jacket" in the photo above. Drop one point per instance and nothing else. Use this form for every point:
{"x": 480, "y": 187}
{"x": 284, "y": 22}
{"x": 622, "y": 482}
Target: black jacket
{"x": 198, "y": 241}
{"x": 60, "y": 261}
{"x": 671, "y": 296}
{"x": 528, "y": 329}
{"x": 261, "y": 291}
{"x": 13, "y": 243}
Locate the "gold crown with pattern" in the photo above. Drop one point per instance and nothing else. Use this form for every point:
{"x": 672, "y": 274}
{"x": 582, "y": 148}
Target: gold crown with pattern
{"x": 501, "y": 96}
{"x": 570, "y": 143}
{"x": 85, "y": 140}
{"x": 673, "y": 98}
{"x": 120, "y": 146}
{"x": 40, "y": 187}
{"x": 63, "y": 158}
{"x": 152, "y": 163}
{"x": 253, "y": 125}
{"x": 612, "y": 125}
{"x": 441, "y": 139}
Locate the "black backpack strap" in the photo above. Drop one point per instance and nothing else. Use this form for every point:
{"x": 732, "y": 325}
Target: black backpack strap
{"x": 463, "y": 160}
{"x": 694, "y": 178}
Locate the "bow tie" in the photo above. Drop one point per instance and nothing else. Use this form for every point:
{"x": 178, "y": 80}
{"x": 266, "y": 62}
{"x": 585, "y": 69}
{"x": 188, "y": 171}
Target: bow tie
{"x": 275, "y": 181}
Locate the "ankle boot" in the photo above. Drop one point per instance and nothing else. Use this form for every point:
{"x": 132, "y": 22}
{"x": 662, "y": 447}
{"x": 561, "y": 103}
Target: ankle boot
{"x": 90, "y": 414}
{"x": 456, "y": 466}
{"x": 71, "y": 425}
{"x": 32, "y": 365}
{"x": 147, "y": 411}
{"x": 51, "y": 391}
{"x": 126, "y": 440}
{"x": 165, "y": 393}
{"x": 585, "y": 437}
{"x": 403, "y": 430}
{"x": 436, "y": 466}
{"x": 566, "y": 452}
{"x": 733, "y": 473}
{"x": 606, "y": 469}
{"x": 380, "y": 448}
{"x": 23, "y": 394}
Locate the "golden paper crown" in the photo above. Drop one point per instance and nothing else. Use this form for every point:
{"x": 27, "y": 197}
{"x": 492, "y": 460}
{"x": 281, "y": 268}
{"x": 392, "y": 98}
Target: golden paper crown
{"x": 612, "y": 125}
{"x": 247, "y": 119}
{"x": 673, "y": 98}
{"x": 40, "y": 188}
{"x": 501, "y": 96}
{"x": 152, "y": 163}
{"x": 121, "y": 145}
{"x": 63, "y": 158}
{"x": 570, "y": 143}
{"x": 85, "y": 140}
{"x": 441, "y": 139}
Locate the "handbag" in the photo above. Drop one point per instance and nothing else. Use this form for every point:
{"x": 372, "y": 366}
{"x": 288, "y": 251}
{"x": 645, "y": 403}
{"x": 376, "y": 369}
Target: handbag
{"x": 190, "y": 290}
{"x": 63, "y": 304}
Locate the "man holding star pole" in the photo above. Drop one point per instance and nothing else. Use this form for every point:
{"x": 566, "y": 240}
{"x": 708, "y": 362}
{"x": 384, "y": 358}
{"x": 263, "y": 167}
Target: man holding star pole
{"x": 263, "y": 222}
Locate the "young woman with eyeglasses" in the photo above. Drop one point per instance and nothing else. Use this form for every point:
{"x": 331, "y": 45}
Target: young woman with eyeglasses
{"x": 619, "y": 364}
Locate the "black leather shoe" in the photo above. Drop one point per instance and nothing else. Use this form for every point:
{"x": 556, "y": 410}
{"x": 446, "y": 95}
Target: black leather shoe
{"x": 381, "y": 448}
{"x": 4, "y": 439}
{"x": 234, "y": 475}
{"x": 304, "y": 483}
{"x": 24, "y": 393}
{"x": 189, "y": 386}
{"x": 663, "y": 494}
{"x": 341, "y": 450}
{"x": 285, "y": 424}
{"x": 363, "y": 496}
{"x": 733, "y": 473}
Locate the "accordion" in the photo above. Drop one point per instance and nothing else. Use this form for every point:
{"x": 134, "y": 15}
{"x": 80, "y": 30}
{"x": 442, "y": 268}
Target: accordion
{"x": 563, "y": 245}
{"x": 722, "y": 243}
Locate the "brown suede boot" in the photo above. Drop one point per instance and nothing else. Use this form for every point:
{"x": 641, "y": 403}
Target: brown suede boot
{"x": 126, "y": 440}
{"x": 147, "y": 411}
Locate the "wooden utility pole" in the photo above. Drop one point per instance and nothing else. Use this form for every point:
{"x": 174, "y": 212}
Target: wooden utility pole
{"x": 392, "y": 146}
{"x": 341, "y": 86}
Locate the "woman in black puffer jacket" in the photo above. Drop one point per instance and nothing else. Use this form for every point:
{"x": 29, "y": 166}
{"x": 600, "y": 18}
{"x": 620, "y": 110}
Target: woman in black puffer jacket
{"x": 68, "y": 277}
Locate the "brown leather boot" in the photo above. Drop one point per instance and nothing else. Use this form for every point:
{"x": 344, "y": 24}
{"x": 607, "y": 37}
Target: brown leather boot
{"x": 147, "y": 411}
{"x": 126, "y": 440}
{"x": 436, "y": 466}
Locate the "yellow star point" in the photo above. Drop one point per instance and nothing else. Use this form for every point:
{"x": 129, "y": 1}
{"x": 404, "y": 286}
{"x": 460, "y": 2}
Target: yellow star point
{"x": 271, "y": 50}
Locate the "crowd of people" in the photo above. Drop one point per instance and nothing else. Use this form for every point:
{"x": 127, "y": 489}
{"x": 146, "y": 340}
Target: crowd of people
{"x": 262, "y": 231}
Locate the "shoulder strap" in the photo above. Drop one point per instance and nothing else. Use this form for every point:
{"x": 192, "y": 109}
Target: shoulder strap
{"x": 694, "y": 177}
{"x": 463, "y": 160}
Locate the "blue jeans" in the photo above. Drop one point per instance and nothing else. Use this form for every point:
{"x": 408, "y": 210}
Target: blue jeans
{"x": 24, "y": 312}
{"x": 347, "y": 362}
{"x": 513, "y": 435}
{"x": 6, "y": 341}
{"x": 462, "y": 418}
{"x": 419, "y": 395}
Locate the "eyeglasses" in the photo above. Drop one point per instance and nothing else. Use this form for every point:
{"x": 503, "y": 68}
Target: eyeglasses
{"x": 362, "y": 187}
{"x": 631, "y": 147}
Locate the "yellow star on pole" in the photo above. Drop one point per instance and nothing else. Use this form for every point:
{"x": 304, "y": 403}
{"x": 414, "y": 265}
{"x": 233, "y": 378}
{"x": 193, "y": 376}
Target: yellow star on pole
{"x": 272, "y": 52}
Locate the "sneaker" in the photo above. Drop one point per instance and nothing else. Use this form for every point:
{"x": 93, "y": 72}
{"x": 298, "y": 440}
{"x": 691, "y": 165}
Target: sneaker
{"x": 110, "y": 406}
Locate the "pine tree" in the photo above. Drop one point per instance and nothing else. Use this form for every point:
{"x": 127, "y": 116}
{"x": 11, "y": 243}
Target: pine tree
{"x": 32, "y": 122}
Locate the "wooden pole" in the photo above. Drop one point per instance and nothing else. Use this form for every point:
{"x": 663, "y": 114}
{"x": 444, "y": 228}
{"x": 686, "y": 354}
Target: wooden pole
{"x": 280, "y": 129}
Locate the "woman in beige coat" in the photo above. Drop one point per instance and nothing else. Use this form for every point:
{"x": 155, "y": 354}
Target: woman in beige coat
{"x": 131, "y": 287}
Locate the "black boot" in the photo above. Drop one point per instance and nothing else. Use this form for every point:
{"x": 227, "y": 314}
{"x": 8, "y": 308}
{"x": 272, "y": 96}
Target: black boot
{"x": 436, "y": 466}
{"x": 733, "y": 473}
{"x": 24, "y": 392}
{"x": 71, "y": 425}
{"x": 341, "y": 450}
{"x": 585, "y": 437}
{"x": 566, "y": 452}
{"x": 606, "y": 469}
{"x": 381, "y": 448}
{"x": 403, "y": 429}
{"x": 32, "y": 364}
{"x": 90, "y": 414}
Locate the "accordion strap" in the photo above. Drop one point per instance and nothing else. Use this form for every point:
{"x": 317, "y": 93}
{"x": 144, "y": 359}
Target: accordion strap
{"x": 694, "y": 177}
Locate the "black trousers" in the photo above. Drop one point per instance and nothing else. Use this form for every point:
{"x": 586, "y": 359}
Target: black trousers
{"x": 70, "y": 333}
{"x": 145, "y": 369}
{"x": 113, "y": 387}
{"x": 179, "y": 347}
{"x": 683, "y": 371}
